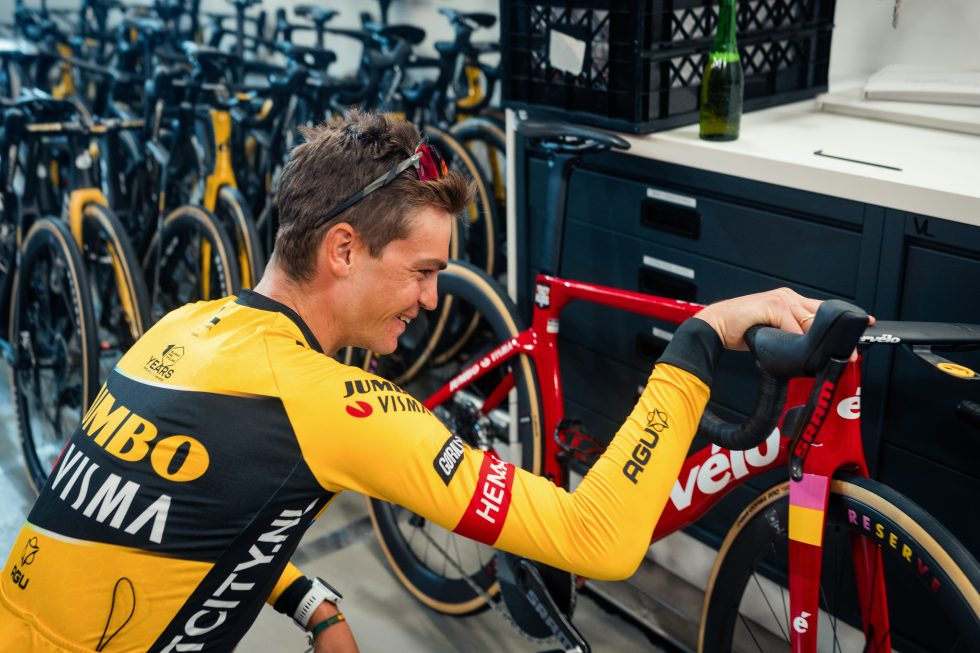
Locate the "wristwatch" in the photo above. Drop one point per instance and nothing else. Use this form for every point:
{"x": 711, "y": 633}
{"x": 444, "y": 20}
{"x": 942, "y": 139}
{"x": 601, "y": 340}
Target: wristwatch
{"x": 319, "y": 592}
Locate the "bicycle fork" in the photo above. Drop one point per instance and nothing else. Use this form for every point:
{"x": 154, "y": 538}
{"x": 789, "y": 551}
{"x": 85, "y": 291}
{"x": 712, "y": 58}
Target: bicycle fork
{"x": 834, "y": 403}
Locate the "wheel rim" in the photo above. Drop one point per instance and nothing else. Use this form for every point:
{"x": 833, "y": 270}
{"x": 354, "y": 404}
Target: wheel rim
{"x": 48, "y": 371}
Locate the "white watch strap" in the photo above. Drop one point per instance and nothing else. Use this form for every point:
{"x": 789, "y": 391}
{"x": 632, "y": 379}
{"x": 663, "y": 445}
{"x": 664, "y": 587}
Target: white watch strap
{"x": 317, "y": 594}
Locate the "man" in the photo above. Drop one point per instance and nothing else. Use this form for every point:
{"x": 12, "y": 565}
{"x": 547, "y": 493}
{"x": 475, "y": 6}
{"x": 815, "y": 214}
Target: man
{"x": 173, "y": 511}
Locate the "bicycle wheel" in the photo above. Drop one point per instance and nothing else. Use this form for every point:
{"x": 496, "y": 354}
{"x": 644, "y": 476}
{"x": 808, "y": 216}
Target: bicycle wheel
{"x": 54, "y": 375}
{"x": 196, "y": 261}
{"x": 431, "y": 562}
{"x": 235, "y": 217}
{"x": 746, "y": 603}
{"x": 487, "y": 143}
{"x": 120, "y": 301}
{"x": 478, "y": 220}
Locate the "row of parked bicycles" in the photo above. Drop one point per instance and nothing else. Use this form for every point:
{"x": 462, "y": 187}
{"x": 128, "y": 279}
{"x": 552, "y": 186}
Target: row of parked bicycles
{"x": 141, "y": 147}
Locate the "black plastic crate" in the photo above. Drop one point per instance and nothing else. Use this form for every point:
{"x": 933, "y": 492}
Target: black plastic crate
{"x": 635, "y": 65}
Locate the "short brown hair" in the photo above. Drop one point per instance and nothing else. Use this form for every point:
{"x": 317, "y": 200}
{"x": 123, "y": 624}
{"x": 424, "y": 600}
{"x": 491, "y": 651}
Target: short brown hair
{"x": 338, "y": 159}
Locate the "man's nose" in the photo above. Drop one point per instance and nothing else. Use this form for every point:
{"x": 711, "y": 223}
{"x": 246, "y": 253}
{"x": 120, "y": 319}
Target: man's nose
{"x": 429, "y": 298}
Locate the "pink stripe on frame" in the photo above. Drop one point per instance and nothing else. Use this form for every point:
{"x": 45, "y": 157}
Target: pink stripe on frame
{"x": 811, "y": 492}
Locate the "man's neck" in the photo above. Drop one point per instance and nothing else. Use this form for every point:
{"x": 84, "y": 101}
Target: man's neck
{"x": 311, "y": 306}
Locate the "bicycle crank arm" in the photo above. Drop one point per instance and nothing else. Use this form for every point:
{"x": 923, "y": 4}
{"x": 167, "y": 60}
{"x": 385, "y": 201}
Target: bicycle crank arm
{"x": 532, "y": 585}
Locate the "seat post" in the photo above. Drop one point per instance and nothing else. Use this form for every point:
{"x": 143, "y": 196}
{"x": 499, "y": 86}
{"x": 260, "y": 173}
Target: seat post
{"x": 560, "y": 166}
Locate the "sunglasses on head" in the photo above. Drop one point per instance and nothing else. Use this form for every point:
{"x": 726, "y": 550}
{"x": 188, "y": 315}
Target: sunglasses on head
{"x": 426, "y": 160}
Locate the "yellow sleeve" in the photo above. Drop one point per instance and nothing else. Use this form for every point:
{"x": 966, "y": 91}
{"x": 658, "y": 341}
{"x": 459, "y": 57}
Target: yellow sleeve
{"x": 289, "y": 574}
{"x": 363, "y": 433}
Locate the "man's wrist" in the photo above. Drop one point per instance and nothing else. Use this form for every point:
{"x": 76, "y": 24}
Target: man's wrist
{"x": 695, "y": 348}
{"x": 318, "y": 595}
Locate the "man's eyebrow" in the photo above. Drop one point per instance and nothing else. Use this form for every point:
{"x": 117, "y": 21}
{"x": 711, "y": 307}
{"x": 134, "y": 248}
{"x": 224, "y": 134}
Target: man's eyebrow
{"x": 432, "y": 263}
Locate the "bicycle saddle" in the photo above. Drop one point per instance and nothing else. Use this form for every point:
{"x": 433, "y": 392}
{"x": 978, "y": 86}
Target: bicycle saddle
{"x": 940, "y": 334}
{"x": 391, "y": 33}
{"x": 564, "y": 137}
{"x": 40, "y": 107}
{"x": 316, "y": 14}
{"x": 479, "y": 18}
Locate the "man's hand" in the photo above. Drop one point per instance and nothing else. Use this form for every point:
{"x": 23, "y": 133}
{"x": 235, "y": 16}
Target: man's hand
{"x": 338, "y": 638}
{"x": 782, "y": 308}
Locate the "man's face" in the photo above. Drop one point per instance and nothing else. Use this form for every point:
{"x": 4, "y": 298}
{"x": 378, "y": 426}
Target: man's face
{"x": 392, "y": 288}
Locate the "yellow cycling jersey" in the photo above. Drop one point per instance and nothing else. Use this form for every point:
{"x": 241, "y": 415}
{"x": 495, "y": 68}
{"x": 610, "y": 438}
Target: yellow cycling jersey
{"x": 172, "y": 513}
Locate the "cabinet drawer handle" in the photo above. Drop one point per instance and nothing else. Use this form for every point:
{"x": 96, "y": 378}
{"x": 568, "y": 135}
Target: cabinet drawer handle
{"x": 653, "y": 282}
{"x": 673, "y": 219}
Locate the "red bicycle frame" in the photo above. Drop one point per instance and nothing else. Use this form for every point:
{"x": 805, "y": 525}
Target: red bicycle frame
{"x": 710, "y": 473}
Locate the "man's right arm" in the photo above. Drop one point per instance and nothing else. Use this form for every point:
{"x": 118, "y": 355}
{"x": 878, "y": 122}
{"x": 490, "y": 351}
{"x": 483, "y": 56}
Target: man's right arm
{"x": 360, "y": 432}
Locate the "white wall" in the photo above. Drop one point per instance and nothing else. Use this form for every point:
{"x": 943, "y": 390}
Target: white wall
{"x": 930, "y": 32}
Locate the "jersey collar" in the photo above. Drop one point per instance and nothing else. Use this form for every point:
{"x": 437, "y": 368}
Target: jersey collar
{"x": 253, "y": 299}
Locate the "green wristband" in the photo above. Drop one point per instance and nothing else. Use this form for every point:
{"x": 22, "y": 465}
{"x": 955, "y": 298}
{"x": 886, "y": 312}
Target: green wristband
{"x": 326, "y": 623}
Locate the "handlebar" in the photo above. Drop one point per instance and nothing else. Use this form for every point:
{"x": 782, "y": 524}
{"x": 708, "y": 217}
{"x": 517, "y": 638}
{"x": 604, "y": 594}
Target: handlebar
{"x": 781, "y": 355}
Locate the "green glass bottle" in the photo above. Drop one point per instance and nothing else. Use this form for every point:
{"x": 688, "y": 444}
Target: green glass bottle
{"x": 723, "y": 82}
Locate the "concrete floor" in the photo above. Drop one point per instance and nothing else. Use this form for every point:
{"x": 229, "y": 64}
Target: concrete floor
{"x": 341, "y": 548}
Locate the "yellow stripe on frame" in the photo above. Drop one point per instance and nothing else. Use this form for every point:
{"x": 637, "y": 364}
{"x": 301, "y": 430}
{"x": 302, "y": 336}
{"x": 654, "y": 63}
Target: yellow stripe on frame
{"x": 805, "y": 525}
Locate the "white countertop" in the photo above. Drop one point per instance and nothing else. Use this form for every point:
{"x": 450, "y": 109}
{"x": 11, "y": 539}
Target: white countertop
{"x": 938, "y": 171}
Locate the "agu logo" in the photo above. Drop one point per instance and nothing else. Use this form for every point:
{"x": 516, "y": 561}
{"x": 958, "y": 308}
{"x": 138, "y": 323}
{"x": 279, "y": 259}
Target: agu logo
{"x": 30, "y": 550}
{"x": 26, "y": 558}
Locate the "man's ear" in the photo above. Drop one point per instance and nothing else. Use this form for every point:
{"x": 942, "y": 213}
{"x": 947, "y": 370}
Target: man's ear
{"x": 337, "y": 248}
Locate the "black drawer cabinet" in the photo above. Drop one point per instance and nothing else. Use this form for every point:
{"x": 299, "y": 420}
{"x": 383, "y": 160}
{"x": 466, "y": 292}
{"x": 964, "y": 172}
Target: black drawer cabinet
{"x": 929, "y": 447}
{"x": 655, "y": 227}
{"x": 746, "y": 236}
{"x": 603, "y": 256}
